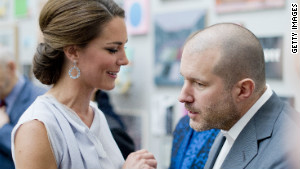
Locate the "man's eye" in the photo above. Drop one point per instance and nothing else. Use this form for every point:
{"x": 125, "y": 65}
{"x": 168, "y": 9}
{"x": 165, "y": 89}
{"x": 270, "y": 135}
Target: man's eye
{"x": 112, "y": 51}
{"x": 199, "y": 84}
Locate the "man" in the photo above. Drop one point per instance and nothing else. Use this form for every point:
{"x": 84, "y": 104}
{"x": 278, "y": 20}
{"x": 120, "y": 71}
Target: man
{"x": 190, "y": 148}
{"x": 16, "y": 95}
{"x": 225, "y": 88}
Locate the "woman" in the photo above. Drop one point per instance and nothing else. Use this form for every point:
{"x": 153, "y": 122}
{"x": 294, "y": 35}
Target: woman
{"x": 83, "y": 49}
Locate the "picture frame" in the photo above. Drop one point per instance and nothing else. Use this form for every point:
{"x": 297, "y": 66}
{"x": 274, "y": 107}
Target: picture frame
{"x": 228, "y": 6}
{"x": 138, "y": 16}
{"x": 273, "y": 52}
{"x": 171, "y": 31}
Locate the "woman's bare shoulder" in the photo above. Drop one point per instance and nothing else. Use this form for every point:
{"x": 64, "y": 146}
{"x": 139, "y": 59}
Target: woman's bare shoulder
{"x": 32, "y": 147}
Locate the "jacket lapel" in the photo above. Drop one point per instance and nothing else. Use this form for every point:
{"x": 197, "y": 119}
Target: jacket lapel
{"x": 214, "y": 152}
{"x": 243, "y": 150}
{"x": 260, "y": 127}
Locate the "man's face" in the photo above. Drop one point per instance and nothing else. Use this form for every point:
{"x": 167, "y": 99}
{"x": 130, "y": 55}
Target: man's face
{"x": 209, "y": 104}
{"x": 5, "y": 80}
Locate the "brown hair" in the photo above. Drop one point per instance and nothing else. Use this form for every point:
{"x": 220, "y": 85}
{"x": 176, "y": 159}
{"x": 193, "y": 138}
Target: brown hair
{"x": 69, "y": 22}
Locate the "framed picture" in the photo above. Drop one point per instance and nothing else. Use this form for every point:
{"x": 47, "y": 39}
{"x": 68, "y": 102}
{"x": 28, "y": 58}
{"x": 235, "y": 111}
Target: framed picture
{"x": 137, "y": 12}
{"x": 162, "y": 115}
{"x": 226, "y": 6}
{"x": 273, "y": 47}
{"x": 171, "y": 31}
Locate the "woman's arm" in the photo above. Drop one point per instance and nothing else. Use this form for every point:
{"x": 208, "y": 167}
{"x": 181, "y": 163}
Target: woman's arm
{"x": 32, "y": 147}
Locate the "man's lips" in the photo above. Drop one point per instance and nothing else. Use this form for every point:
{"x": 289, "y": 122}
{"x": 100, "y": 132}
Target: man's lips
{"x": 192, "y": 114}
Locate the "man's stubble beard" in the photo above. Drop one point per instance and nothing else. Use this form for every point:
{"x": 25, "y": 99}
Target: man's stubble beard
{"x": 222, "y": 115}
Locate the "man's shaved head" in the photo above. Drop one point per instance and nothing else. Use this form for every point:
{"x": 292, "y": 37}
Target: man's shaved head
{"x": 241, "y": 53}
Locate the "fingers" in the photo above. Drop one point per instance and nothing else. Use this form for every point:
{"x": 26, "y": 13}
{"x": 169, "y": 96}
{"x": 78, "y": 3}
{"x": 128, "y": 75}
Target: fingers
{"x": 147, "y": 167}
{"x": 144, "y": 154}
{"x": 142, "y": 151}
{"x": 152, "y": 163}
{"x": 141, "y": 159}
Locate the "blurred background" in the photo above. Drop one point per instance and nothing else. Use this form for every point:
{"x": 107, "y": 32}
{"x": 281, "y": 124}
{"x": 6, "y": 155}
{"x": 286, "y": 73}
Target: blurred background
{"x": 147, "y": 89}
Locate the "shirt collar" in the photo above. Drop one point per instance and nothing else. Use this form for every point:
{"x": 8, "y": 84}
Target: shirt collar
{"x": 235, "y": 130}
{"x": 12, "y": 96}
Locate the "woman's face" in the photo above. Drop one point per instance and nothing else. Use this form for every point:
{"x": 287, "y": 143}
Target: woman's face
{"x": 101, "y": 60}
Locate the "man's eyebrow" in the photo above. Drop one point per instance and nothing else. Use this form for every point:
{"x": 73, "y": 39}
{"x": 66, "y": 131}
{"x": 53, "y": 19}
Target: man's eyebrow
{"x": 194, "y": 78}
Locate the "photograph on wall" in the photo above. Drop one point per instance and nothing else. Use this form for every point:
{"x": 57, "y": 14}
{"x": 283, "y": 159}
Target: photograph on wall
{"x": 273, "y": 56}
{"x": 21, "y": 8}
{"x": 137, "y": 16}
{"x": 227, "y": 6}
{"x": 171, "y": 31}
{"x": 162, "y": 115}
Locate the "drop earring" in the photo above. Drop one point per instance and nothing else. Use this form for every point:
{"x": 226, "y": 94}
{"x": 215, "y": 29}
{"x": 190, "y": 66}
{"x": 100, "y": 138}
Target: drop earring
{"x": 77, "y": 69}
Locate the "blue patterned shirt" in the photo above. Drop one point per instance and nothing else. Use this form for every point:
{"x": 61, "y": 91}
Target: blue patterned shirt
{"x": 190, "y": 148}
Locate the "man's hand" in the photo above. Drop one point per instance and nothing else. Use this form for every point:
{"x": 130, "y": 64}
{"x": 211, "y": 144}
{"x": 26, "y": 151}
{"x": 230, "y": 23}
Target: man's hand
{"x": 4, "y": 119}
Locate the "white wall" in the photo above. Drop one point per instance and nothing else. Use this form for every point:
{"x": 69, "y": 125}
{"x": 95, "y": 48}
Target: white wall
{"x": 139, "y": 99}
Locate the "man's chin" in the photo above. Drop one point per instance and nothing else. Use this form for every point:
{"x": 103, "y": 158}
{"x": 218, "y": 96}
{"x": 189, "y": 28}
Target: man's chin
{"x": 197, "y": 126}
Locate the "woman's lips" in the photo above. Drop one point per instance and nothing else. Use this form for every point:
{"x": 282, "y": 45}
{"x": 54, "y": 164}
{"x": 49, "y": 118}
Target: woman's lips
{"x": 113, "y": 74}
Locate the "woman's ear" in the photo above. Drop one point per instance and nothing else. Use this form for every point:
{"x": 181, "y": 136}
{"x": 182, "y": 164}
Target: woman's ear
{"x": 244, "y": 89}
{"x": 71, "y": 52}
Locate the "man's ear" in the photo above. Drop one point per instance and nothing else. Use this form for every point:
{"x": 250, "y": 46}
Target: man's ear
{"x": 71, "y": 52}
{"x": 243, "y": 89}
{"x": 11, "y": 65}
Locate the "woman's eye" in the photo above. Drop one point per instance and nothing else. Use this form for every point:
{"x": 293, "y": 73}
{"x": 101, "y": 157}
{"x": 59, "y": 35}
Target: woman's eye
{"x": 112, "y": 51}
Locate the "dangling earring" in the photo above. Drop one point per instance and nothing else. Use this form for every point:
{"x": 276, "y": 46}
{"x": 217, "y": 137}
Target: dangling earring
{"x": 77, "y": 69}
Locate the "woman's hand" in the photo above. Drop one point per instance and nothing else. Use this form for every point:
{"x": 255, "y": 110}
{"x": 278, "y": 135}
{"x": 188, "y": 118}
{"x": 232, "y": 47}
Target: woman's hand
{"x": 141, "y": 159}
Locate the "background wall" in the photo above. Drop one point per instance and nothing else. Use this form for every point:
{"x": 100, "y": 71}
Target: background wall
{"x": 143, "y": 93}
{"x": 144, "y": 99}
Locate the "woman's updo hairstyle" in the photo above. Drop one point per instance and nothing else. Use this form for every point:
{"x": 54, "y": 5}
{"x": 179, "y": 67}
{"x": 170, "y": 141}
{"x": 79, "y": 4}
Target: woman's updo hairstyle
{"x": 69, "y": 22}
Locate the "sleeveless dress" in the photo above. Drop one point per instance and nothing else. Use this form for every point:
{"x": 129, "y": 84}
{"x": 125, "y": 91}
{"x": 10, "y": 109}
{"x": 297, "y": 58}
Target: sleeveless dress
{"x": 74, "y": 145}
